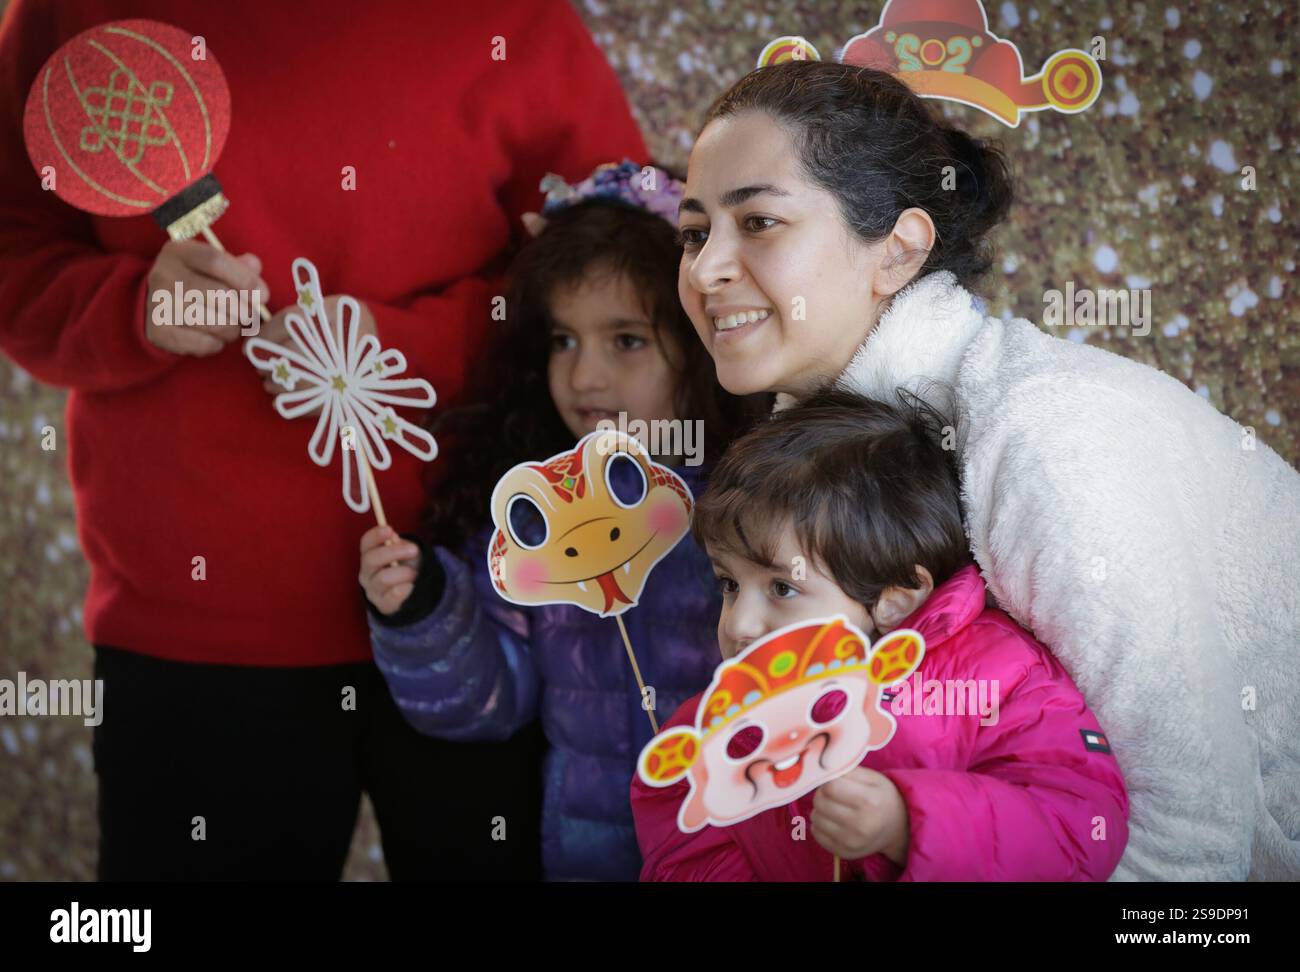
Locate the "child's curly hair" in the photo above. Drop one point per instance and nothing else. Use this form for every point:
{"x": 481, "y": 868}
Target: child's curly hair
{"x": 517, "y": 421}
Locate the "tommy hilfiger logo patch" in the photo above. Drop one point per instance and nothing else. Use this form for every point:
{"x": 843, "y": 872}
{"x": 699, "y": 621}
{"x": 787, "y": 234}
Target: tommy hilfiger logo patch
{"x": 1094, "y": 741}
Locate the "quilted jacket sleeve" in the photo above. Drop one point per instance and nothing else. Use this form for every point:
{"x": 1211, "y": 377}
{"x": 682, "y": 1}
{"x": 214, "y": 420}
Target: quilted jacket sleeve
{"x": 465, "y": 671}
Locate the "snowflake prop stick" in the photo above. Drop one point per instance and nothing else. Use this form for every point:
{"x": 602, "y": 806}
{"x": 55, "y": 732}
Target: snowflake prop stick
{"x": 351, "y": 380}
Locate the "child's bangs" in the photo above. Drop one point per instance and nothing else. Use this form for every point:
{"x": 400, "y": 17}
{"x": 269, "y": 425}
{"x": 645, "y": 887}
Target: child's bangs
{"x": 741, "y": 523}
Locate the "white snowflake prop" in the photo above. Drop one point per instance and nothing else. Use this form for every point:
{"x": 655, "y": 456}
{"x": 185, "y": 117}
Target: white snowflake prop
{"x": 350, "y": 379}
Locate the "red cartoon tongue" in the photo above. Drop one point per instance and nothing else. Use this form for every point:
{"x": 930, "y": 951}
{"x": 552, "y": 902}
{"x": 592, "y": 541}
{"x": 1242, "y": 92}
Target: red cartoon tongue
{"x": 609, "y": 587}
{"x": 786, "y": 777}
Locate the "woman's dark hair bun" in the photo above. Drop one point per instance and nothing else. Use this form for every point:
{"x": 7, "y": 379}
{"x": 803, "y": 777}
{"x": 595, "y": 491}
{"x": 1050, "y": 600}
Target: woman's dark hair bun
{"x": 985, "y": 189}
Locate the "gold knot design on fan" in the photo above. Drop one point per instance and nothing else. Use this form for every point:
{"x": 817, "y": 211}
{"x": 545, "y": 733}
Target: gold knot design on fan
{"x": 126, "y": 116}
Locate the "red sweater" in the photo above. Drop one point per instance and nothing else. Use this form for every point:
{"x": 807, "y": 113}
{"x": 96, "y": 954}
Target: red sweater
{"x": 172, "y": 457}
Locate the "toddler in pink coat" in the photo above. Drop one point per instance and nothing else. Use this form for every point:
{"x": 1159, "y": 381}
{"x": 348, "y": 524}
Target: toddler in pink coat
{"x": 998, "y": 770}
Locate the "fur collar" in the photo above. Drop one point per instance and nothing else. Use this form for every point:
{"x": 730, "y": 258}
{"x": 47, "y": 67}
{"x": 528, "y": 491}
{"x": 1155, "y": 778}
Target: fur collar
{"x": 918, "y": 344}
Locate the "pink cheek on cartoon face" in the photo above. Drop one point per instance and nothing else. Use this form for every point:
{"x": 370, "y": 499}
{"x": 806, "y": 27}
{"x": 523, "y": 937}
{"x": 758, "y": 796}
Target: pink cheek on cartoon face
{"x": 870, "y": 720}
{"x": 834, "y": 735}
{"x": 667, "y": 515}
{"x": 747, "y": 746}
{"x": 880, "y": 724}
{"x": 724, "y": 791}
{"x": 527, "y": 575}
{"x": 846, "y": 738}
{"x": 740, "y": 781}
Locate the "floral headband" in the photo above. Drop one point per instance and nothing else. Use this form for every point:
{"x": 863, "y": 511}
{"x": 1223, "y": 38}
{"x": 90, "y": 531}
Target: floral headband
{"x": 645, "y": 187}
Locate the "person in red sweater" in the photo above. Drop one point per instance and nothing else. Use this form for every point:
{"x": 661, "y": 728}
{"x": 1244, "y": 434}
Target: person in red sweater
{"x": 227, "y": 696}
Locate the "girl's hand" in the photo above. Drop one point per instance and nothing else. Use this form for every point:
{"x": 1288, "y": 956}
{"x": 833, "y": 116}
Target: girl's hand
{"x": 389, "y": 567}
{"x": 859, "y": 814}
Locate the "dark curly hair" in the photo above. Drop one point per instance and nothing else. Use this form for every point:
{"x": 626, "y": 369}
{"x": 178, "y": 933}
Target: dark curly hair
{"x": 865, "y": 137}
{"x": 516, "y": 420}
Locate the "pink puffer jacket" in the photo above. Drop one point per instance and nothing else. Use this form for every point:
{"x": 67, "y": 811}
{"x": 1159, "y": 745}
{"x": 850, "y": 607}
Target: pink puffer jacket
{"x": 1017, "y": 783}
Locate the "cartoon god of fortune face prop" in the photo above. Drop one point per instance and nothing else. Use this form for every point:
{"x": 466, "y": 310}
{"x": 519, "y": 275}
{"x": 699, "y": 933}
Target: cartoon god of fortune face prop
{"x": 789, "y": 713}
{"x": 586, "y": 526}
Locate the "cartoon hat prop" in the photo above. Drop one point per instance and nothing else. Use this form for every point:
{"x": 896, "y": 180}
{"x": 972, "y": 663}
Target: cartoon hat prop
{"x": 794, "y": 710}
{"x": 944, "y": 49}
{"x": 585, "y": 527}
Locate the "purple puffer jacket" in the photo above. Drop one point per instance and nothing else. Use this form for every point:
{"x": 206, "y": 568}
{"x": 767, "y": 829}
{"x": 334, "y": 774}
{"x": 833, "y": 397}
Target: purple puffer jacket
{"x": 479, "y": 667}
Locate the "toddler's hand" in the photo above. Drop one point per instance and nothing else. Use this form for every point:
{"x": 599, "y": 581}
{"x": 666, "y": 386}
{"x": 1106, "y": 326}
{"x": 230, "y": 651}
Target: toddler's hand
{"x": 389, "y": 567}
{"x": 859, "y": 814}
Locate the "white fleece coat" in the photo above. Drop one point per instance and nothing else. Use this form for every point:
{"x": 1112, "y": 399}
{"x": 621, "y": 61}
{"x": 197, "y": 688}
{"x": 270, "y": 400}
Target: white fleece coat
{"x": 1152, "y": 544}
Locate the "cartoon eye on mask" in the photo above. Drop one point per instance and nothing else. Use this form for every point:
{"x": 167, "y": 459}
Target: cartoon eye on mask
{"x": 526, "y": 521}
{"x": 744, "y": 742}
{"x": 828, "y": 707}
{"x": 625, "y": 480}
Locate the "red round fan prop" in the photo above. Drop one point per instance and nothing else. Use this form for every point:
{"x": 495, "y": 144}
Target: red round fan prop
{"x": 130, "y": 117}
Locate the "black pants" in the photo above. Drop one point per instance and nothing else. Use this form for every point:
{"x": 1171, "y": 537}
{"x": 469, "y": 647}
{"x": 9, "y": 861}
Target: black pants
{"x": 274, "y": 763}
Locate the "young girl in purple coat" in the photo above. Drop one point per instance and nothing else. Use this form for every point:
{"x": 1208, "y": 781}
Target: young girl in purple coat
{"x": 594, "y": 329}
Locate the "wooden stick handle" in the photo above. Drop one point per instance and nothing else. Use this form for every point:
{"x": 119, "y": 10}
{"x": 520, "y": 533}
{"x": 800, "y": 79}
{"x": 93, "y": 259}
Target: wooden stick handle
{"x": 837, "y": 868}
{"x": 636, "y": 670}
{"x": 376, "y": 503}
{"x": 211, "y": 237}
